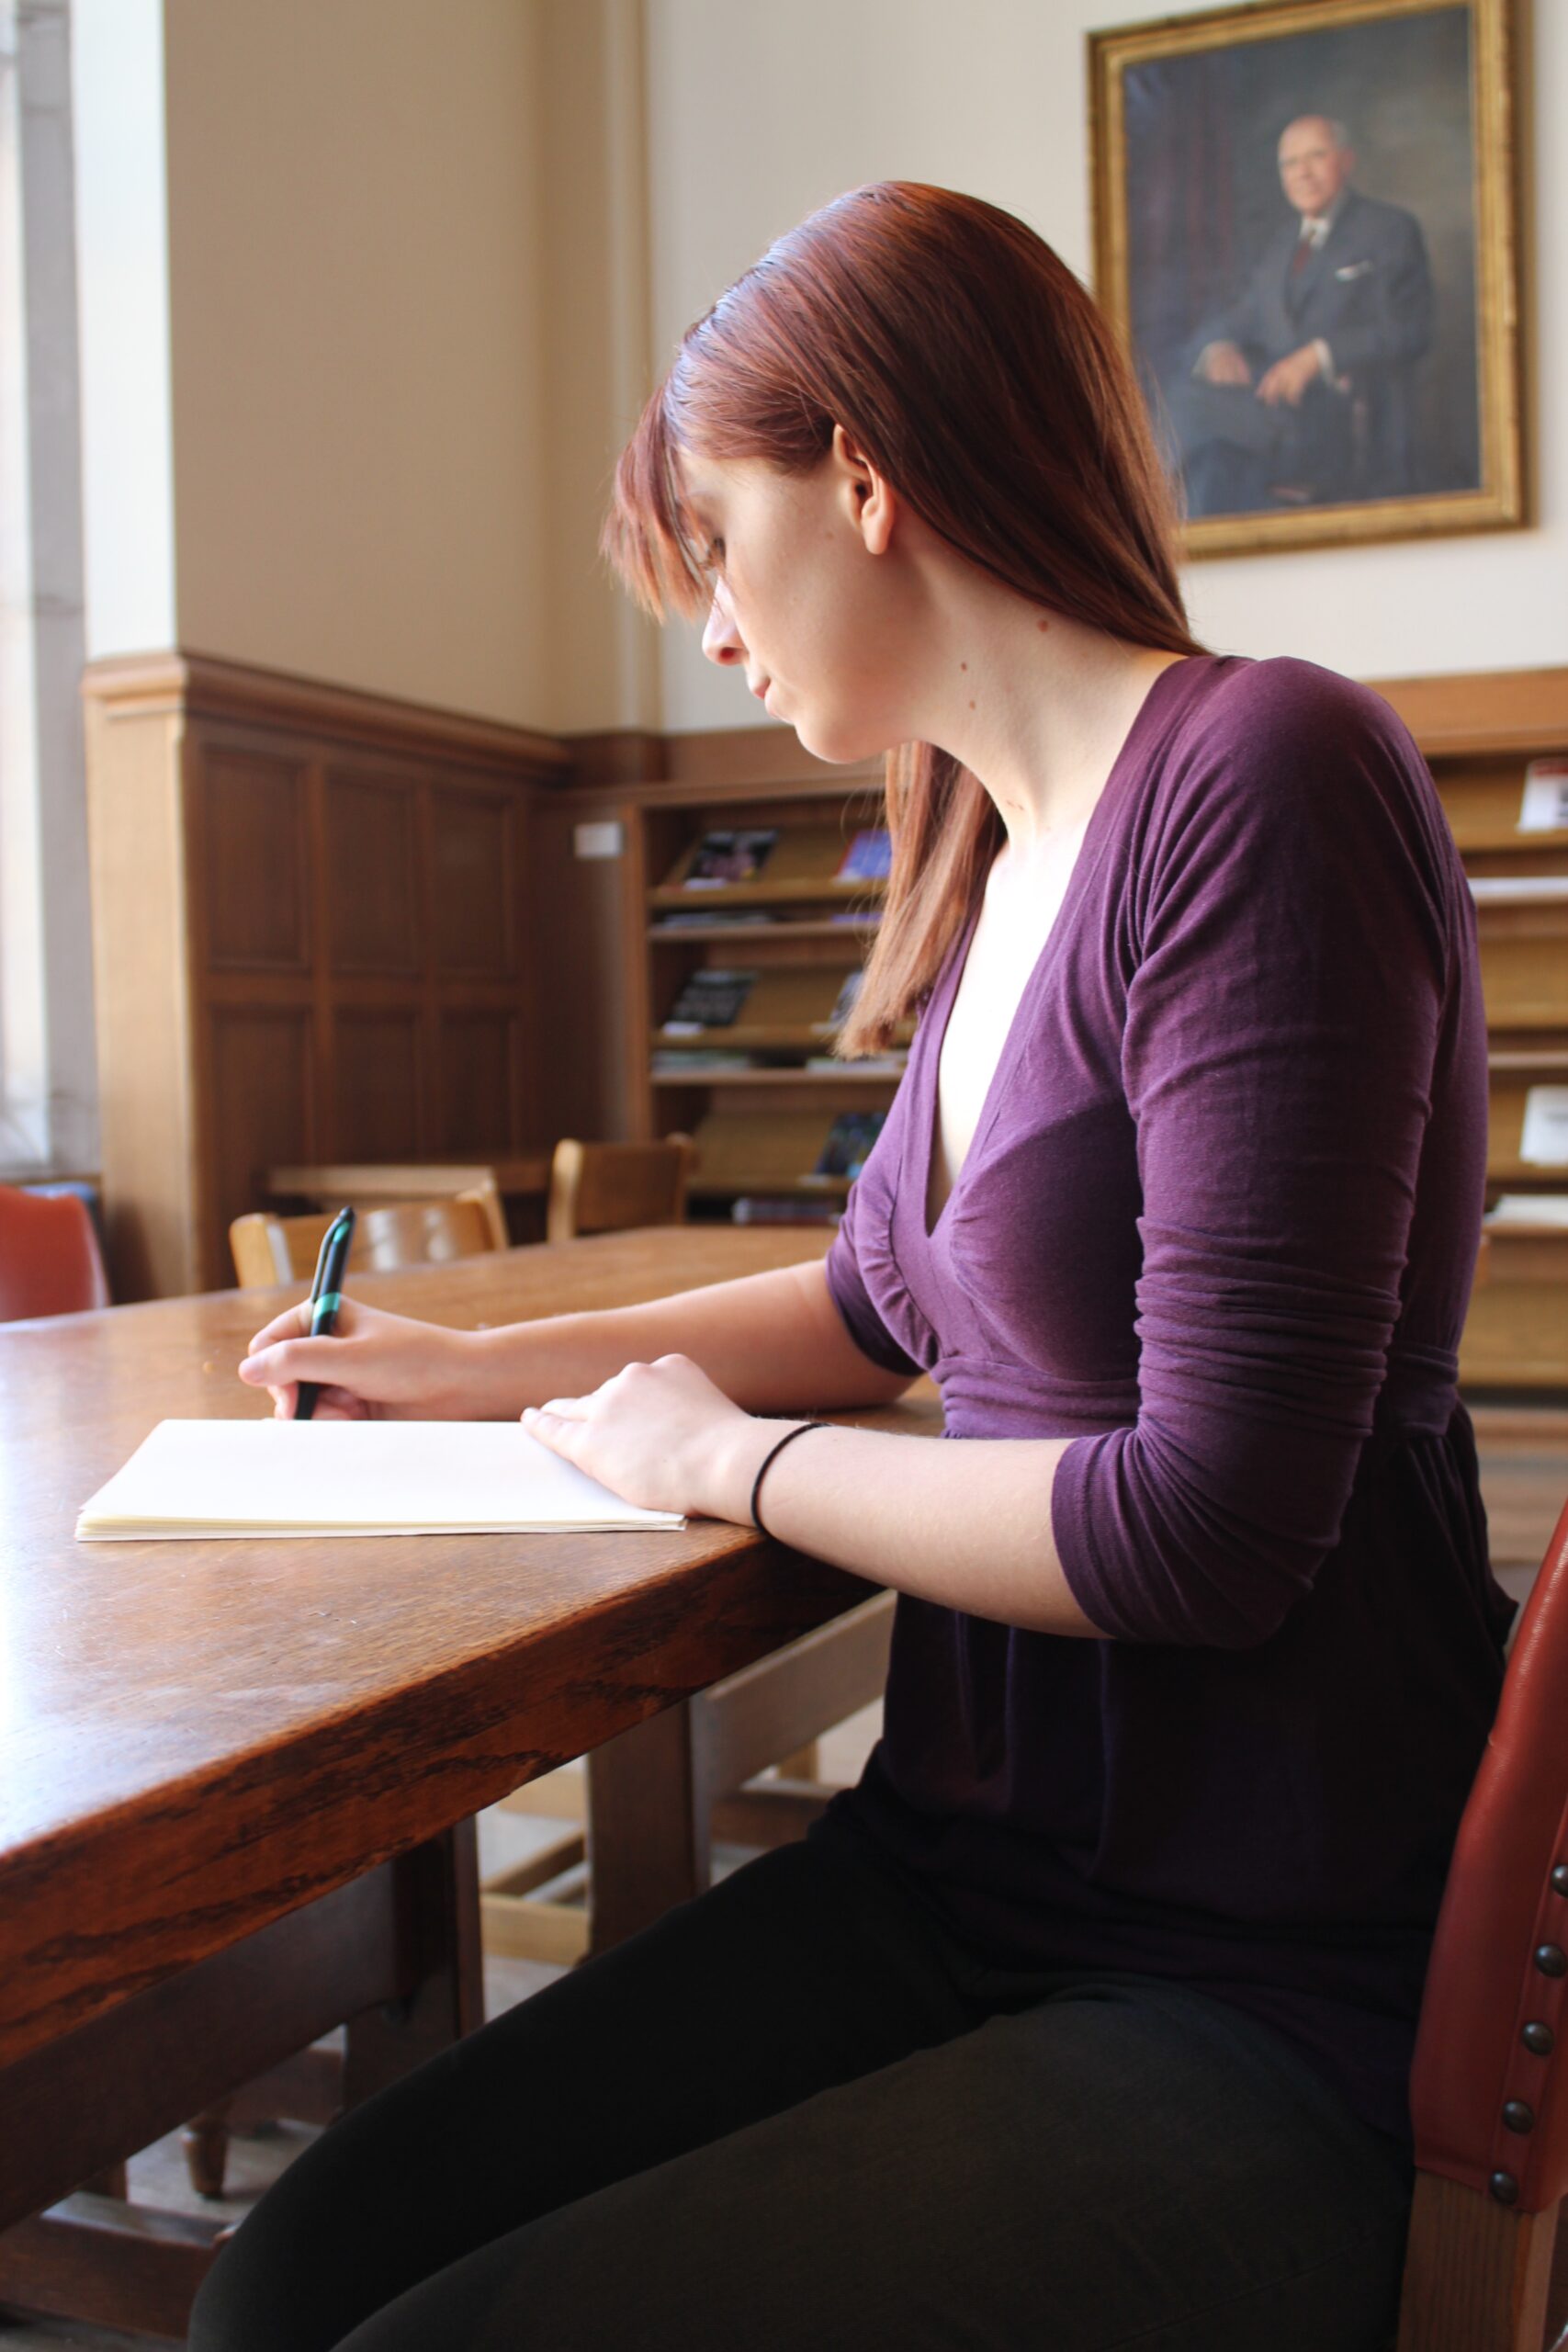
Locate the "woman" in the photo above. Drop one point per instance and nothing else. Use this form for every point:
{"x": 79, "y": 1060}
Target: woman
{"x": 1084, "y": 2021}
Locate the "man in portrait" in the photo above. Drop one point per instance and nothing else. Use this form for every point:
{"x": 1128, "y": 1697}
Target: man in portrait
{"x": 1299, "y": 392}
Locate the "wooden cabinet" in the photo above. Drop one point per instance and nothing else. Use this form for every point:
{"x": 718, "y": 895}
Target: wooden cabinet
{"x": 311, "y": 943}
{"x": 1479, "y": 735}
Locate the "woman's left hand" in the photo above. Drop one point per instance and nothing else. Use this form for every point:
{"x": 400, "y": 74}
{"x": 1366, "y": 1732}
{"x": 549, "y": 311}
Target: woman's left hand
{"x": 659, "y": 1435}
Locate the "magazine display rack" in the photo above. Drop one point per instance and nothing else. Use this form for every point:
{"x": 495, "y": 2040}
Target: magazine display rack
{"x": 1497, "y": 746}
{"x": 757, "y": 919}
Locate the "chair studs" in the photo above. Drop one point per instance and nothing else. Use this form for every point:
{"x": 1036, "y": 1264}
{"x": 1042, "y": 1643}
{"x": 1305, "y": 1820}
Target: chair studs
{"x": 1559, "y": 1879}
{"x": 1551, "y": 1959}
{"x": 1504, "y": 2188}
{"x": 1538, "y": 2038}
{"x": 1518, "y": 2115}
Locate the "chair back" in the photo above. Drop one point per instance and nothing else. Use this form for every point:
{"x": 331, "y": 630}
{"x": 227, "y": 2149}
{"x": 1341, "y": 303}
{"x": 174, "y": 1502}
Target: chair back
{"x": 50, "y": 1258}
{"x": 1489, "y": 2098}
{"x": 272, "y": 1250}
{"x": 611, "y": 1187}
{"x": 369, "y": 1183}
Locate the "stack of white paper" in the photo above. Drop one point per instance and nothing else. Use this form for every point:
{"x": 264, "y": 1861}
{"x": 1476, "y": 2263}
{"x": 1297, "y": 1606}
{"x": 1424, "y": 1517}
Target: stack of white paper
{"x": 192, "y": 1478}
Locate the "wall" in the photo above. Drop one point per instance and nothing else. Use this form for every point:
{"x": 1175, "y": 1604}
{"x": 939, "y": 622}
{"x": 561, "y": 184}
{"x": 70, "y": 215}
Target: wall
{"x": 756, "y": 116}
{"x": 355, "y": 335}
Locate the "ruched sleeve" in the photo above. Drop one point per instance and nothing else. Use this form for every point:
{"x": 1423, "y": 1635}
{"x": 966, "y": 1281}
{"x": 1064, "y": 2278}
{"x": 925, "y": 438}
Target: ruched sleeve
{"x": 846, "y": 1280}
{"x": 1290, "y": 957}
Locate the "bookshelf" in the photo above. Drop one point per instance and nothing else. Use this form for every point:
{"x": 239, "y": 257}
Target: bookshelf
{"x": 751, "y": 938}
{"x": 1482, "y": 736}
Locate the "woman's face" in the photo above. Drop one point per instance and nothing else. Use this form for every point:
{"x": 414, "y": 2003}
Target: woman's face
{"x": 804, "y": 600}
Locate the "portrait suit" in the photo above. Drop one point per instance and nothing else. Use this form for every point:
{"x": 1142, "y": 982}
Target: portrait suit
{"x": 1366, "y": 291}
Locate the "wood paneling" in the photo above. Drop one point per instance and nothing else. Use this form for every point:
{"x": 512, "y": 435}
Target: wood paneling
{"x": 309, "y": 941}
{"x": 473, "y": 872}
{"x": 1523, "y": 711}
{"x": 199, "y": 686}
{"x": 375, "y": 1109}
{"x": 371, "y": 873}
{"x": 254, "y": 863}
{"x": 141, "y": 956}
{"x": 477, "y": 1077}
{"x": 585, "y": 916}
{"x": 261, "y": 1081}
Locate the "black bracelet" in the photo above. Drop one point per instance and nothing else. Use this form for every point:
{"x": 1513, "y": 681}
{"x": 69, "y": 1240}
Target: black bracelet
{"x": 769, "y": 1458}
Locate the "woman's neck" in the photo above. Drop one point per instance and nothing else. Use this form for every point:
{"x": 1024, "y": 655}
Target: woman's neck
{"x": 1035, "y": 706}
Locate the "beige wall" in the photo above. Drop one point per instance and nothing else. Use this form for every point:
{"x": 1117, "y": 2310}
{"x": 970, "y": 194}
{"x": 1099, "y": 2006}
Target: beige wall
{"x": 421, "y": 265}
{"x": 757, "y": 115}
{"x": 361, "y": 465}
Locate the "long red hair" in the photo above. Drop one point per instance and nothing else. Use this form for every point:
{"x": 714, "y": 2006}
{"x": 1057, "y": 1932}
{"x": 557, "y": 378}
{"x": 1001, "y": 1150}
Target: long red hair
{"x": 966, "y": 360}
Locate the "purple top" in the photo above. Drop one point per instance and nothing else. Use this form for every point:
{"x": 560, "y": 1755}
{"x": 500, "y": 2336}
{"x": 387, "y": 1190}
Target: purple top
{"x": 1217, "y": 1224}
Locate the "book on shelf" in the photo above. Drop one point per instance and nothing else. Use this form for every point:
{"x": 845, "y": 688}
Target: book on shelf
{"x": 1530, "y": 1208}
{"x": 844, "y": 1002}
{"x": 1544, "y": 808}
{"x": 1543, "y": 1134}
{"x": 848, "y": 1144}
{"x": 729, "y": 855}
{"x": 712, "y": 918}
{"x": 1499, "y": 889}
{"x": 760, "y": 1209}
{"x": 868, "y": 858}
{"x": 698, "y": 1061}
{"x": 709, "y": 999}
{"x": 863, "y": 1065}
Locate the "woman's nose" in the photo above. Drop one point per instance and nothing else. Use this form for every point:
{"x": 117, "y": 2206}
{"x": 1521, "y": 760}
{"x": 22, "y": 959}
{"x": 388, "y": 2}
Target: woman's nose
{"x": 721, "y": 639}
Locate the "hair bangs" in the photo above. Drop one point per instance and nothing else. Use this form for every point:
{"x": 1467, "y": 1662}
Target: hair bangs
{"x": 650, "y": 536}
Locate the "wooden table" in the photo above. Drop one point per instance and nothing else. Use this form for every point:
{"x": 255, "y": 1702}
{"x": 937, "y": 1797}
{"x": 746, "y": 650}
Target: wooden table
{"x": 230, "y": 1771}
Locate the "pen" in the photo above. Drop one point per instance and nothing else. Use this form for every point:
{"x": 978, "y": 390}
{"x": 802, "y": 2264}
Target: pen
{"x": 326, "y": 1298}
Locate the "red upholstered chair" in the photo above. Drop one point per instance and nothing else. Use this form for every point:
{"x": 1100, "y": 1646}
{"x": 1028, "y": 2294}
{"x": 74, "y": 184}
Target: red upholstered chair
{"x": 1489, "y": 2093}
{"x": 49, "y": 1260}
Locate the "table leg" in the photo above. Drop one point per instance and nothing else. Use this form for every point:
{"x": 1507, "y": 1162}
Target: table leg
{"x": 396, "y": 1953}
{"x": 648, "y": 1825}
{"x": 438, "y": 1928}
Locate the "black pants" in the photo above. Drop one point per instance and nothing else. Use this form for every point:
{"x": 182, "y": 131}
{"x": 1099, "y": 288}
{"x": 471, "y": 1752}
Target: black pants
{"x": 794, "y": 2114}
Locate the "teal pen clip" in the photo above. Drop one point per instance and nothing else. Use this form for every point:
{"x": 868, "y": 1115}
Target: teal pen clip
{"x": 326, "y": 1298}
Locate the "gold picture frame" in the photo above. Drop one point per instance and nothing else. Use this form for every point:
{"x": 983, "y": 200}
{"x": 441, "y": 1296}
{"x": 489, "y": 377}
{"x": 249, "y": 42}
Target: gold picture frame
{"x": 1194, "y": 122}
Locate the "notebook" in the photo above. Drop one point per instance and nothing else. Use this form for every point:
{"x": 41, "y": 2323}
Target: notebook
{"x": 255, "y": 1478}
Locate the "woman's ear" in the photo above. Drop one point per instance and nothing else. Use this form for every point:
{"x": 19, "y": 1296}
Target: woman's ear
{"x": 868, "y": 497}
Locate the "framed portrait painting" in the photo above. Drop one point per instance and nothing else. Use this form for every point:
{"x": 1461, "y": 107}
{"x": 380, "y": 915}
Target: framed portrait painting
{"x": 1304, "y": 229}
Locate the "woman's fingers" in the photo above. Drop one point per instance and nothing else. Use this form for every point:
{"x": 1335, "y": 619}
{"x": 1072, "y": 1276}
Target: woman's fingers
{"x": 331, "y": 1404}
{"x": 293, "y": 1359}
{"x": 287, "y": 1326}
{"x": 552, "y": 1429}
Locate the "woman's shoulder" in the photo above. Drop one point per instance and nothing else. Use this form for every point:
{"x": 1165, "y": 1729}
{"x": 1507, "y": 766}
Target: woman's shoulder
{"x": 1284, "y": 706}
{"x": 1284, "y": 744}
{"x": 1282, "y": 766}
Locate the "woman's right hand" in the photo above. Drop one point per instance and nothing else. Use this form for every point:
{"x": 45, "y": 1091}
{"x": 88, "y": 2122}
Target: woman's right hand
{"x": 376, "y": 1366}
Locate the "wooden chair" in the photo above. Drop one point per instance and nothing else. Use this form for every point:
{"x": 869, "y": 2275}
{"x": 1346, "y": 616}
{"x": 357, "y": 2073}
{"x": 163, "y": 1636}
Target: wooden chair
{"x": 613, "y": 1187}
{"x": 1489, "y": 2094}
{"x": 50, "y": 1258}
{"x": 271, "y": 1250}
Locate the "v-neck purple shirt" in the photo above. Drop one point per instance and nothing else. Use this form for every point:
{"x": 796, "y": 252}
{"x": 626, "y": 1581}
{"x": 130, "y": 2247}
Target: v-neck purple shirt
{"x": 1217, "y": 1224}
